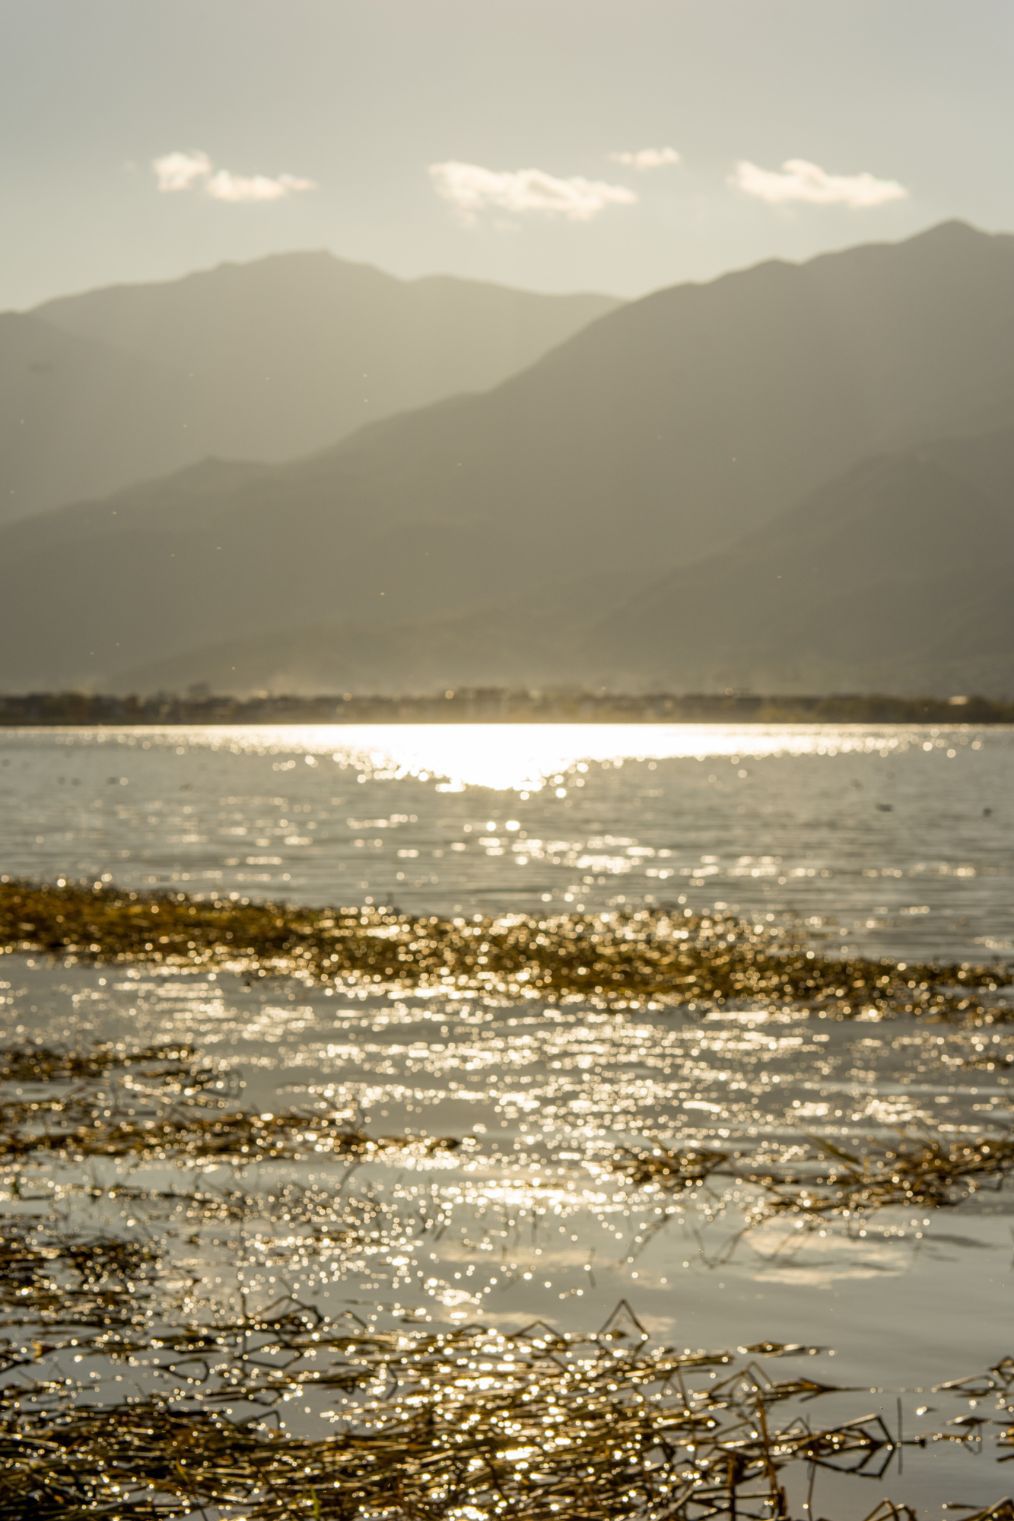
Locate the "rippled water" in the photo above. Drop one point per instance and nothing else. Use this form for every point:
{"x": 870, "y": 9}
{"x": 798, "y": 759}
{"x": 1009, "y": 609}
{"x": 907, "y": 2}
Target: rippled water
{"x": 894, "y": 839}
{"x": 901, "y": 836}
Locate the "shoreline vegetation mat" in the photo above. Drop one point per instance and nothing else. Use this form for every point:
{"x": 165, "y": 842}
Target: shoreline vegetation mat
{"x": 698, "y": 960}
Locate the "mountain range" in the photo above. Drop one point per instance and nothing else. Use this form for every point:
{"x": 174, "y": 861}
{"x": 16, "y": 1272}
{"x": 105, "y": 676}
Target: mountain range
{"x": 794, "y": 477}
{"x": 260, "y": 361}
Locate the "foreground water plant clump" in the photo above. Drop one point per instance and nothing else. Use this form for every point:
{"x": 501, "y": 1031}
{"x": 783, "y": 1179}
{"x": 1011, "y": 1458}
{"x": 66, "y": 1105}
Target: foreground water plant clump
{"x": 459, "y": 1426}
{"x": 53, "y": 1278}
{"x": 634, "y": 956}
{"x": 128, "y": 1394}
{"x": 472, "y": 1424}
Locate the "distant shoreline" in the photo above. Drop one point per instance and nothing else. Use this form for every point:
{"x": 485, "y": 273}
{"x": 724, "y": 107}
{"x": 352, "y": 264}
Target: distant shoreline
{"x": 491, "y": 705}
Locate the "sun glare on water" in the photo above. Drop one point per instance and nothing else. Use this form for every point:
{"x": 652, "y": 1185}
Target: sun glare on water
{"x": 531, "y": 757}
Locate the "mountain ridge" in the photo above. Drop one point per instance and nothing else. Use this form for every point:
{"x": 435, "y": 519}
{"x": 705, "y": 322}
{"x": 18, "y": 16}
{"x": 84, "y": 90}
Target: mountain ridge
{"x": 321, "y": 256}
{"x": 261, "y": 360}
{"x": 657, "y": 438}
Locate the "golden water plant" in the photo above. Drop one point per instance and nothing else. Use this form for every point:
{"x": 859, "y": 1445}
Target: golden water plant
{"x": 696, "y": 959}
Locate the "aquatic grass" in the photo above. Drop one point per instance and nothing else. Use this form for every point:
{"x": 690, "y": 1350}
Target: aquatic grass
{"x": 37, "y": 1063}
{"x": 695, "y": 959}
{"x": 471, "y": 1424}
{"x": 673, "y": 1168}
{"x": 56, "y": 1279}
{"x": 185, "y": 1109}
{"x": 457, "y": 1426}
{"x": 928, "y": 1174}
{"x": 833, "y": 1181}
{"x": 238, "y": 1134}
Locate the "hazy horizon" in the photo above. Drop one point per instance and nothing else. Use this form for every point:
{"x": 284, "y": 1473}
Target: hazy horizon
{"x": 549, "y": 148}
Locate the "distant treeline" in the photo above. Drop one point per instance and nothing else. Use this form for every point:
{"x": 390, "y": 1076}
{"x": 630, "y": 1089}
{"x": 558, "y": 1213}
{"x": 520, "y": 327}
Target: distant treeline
{"x": 494, "y": 705}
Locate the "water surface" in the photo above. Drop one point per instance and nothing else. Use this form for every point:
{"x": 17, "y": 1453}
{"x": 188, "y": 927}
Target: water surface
{"x": 893, "y": 840}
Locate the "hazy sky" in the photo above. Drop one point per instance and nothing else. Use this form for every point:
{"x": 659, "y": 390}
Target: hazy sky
{"x": 616, "y": 145}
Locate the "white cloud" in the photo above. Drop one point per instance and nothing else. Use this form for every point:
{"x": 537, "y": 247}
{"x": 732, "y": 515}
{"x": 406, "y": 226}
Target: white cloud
{"x": 223, "y": 186}
{"x": 181, "y": 171}
{"x": 194, "y": 170}
{"x": 472, "y": 189}
{"x": 799, "y": 180}
{"x": 643, "y": 159}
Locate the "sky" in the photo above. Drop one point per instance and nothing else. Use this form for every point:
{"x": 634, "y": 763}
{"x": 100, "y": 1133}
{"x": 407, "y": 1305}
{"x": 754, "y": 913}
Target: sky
{"x": 612, "y": 145}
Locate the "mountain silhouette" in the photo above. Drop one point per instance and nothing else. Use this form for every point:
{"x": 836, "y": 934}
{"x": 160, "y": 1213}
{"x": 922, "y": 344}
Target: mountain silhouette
{"x": 265, "y": 360}
{"x": 817, "y": 442}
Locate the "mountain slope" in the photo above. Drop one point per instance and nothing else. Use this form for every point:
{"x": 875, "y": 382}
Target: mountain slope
{"x": 655, "y": 437}
{"x": 266, "y": 361}
{"x": 680, "y": 421}
{"x": 495, "y": 648}
{"x": 897, "y": 576}
{"x": 77, "y": 414}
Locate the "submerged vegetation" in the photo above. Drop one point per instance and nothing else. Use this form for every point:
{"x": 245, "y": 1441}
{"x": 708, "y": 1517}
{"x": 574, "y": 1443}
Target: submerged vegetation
{"x": 693, "y": 959}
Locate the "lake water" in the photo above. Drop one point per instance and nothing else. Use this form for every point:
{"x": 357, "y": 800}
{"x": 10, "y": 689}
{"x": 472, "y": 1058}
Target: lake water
{"x": 901, "y": 837}
{"x": 892, "y": 841}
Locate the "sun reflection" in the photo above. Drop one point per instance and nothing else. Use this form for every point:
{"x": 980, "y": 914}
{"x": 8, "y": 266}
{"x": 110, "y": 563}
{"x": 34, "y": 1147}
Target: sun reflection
{"x": 531, "y": 757}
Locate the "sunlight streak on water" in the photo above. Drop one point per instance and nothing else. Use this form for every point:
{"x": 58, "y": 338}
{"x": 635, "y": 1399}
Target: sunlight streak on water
{"x": 897, "y": 835}
{"x": 528, "y": 757}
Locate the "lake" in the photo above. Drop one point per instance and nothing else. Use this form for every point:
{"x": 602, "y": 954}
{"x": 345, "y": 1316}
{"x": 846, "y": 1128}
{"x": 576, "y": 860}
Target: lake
{"x": 893, "y": 841}
{"x": 901, "y": 836}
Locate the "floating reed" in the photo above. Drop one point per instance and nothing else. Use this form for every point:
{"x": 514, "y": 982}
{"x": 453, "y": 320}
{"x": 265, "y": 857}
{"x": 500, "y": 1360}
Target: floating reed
{"x": 51, "y": 1278}
{"x": 532, "y": 1426}
{"x": 462, "y": 1426}
{"x": 183, "y": 1108}
{"x": 929, "y": 1174}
